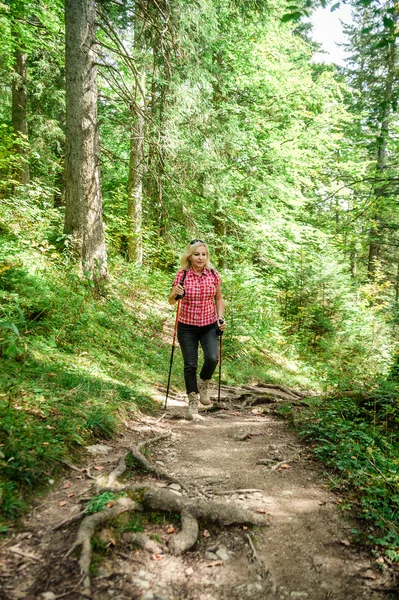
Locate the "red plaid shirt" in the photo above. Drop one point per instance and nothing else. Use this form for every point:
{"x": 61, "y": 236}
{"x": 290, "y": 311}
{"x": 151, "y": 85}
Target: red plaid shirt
{"x": 198, "y": 305}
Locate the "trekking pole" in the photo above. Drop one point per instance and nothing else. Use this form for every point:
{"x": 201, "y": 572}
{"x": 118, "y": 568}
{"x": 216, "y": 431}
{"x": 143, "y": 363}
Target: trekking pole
{"x": 220, "y": 365}
{"x": 173, "y": 351}
{"x": 220, "y": 334}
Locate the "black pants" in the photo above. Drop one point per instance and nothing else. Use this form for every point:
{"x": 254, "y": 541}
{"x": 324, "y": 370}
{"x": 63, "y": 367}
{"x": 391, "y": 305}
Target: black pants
{"x": 189, "y": 336}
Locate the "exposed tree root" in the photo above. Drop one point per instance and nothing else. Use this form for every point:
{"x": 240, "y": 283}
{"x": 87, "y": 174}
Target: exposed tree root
{"x": 230, "y": 492}
{"x": 190, "y": 510}
{"x": 144, "y": 542}
{"x": 157, "y": 471}
{"x": 86, "y": 532}
{"x": 255, "y": 556}
{"x": 188, "y": 535}
{"x": 110, "y": 483}
{"x": 281, "y": 388}
{"x": 224, "y": 514}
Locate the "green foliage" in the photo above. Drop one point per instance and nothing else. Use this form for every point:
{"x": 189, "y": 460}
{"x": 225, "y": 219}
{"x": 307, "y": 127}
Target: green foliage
{"x": 99, "y": 502}
{"x": 362, "y": 454}
{"x": 135, "y": 524}
{"x": 101, "y": 422}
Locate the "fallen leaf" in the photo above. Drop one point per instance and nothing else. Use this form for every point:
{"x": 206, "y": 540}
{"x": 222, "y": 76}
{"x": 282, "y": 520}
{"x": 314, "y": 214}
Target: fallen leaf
{"x": 345, "y": 542}
{"x": 323, "y": 503}
{"x": 99, "y": 468}
{"x": 170, "y": 529}
{"x": 110, "y": 504}
{"x": 262, "y": 511}
{"x": 70, "y": 495}
{"x": 67, "y": 485}
{"x": 157, "y": 557}
{"x": 206, "y": 533}
{"x": 285, "y": 467}
{"x": 63, "y": 503}
{"x": 244, "y": 527}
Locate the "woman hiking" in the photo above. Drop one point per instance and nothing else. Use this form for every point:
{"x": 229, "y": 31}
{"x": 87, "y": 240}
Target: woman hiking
{"x": 200, "y": 317}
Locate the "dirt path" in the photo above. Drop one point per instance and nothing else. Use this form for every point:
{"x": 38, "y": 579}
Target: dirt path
{"x": 305, "y": 551}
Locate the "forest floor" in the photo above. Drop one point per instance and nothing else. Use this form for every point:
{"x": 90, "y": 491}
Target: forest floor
{"x": 305, "y": 550}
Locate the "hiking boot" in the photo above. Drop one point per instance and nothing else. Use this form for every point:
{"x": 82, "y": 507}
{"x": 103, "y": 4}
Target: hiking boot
{"x": 192, "y": 413}
{"x": 204, "y": 392}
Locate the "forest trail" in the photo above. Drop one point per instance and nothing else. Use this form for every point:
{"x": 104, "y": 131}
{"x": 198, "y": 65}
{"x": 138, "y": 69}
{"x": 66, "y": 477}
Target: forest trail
{"x": 304, "y": 552}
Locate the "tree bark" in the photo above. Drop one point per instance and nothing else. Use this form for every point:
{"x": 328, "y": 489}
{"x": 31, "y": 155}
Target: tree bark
{"x": 83, "y": 201}
{"x": 19, "y": 116}
{"x": 382, "y": 141}
{"x": 135, "y": 183}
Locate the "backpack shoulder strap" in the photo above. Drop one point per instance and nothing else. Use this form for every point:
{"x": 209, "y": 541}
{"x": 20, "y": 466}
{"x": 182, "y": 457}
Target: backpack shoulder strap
{"x": 184, "y": 276}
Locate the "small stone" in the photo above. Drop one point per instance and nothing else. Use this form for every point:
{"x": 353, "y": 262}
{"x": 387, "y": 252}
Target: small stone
{"x": 222, "y": 554}
{"x": 160, "y": 463}
{"x": 325, "y": 586}
{"x": 142, "y": 583}
{"x": 149, "y": 596}
{"x": 98, "y": 449}
{"x": 318, "y": 562}
{"x": 48, "y": 596}
{"x": 210, "y": 556}
{"x": 51, "y": 481}
{"x": 176, "y": 492}
{"x": 286, "y": 493}
{"x": 103, "y": 573}
{"x": 189, "y": 571}
{"x": 258, "y": 587}
{"x": 299, "y": 595}
{"x": 175, "y": 486}
{"x": 142, "y": 574}
{"x": 160, "y": 597}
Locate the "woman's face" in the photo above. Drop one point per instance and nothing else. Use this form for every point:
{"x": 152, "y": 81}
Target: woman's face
{"x": 198, "y": 258}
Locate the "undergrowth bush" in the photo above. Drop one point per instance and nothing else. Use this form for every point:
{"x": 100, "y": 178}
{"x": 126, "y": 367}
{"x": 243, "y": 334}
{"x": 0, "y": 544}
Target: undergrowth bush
{"x": 363, "y": 457}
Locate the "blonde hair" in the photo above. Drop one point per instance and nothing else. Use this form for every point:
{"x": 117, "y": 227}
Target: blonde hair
{"x": 189, "y": 251}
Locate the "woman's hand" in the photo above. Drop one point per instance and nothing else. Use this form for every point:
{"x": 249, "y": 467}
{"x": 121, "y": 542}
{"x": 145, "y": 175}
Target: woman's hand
{"x": 177, "y": 290}
{"x": 221, "y": 323}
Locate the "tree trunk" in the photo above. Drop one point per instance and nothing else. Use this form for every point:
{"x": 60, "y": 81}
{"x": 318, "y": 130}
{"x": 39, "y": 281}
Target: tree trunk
{"x": 382, "y": 140}
{"x": 155, "y": 165}
{"x": 19, "y": 116}
{"x": 83, "y": 202}
{"x": 135, "y": 183}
